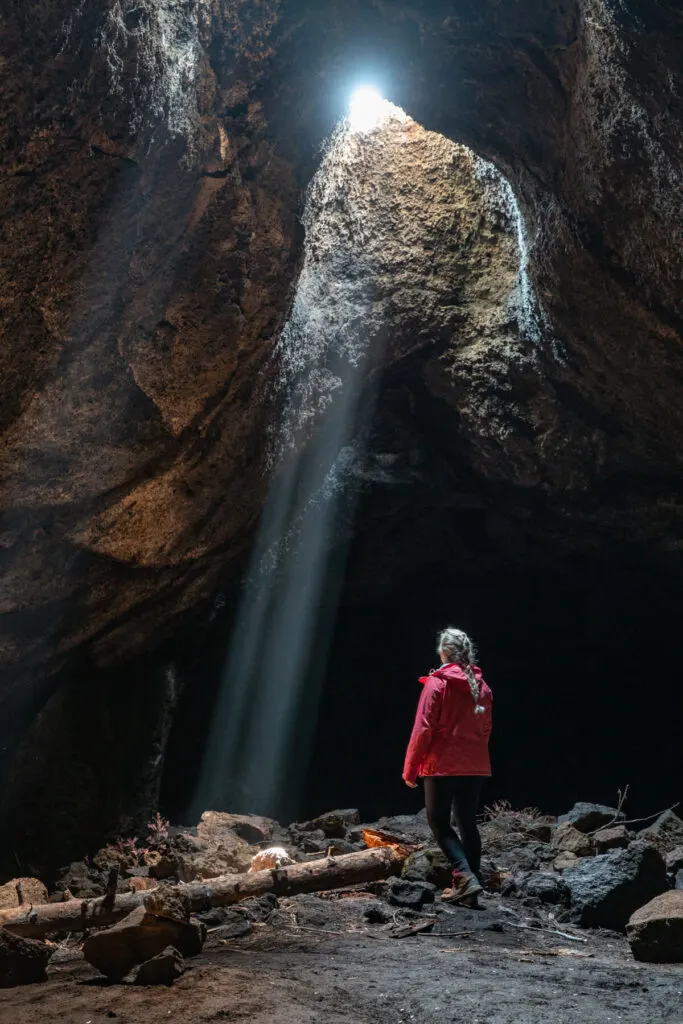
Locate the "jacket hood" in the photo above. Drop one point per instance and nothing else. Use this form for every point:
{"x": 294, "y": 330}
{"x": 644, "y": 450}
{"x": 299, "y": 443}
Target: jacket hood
{"x": 454, "y": 674}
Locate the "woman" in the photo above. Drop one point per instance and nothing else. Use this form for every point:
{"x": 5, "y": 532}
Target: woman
{"x": 449, "y": 750}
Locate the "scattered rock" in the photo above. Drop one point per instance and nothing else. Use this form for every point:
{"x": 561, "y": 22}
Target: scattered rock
{"x": 250, "y": 828}
{"x": 428, "y": 866}
{"x": 377, "y": 913}
{"x": 589, "y": 817}
{"x": 260, "y": 908}
{"x": 225, "y": 854}
{"x": 138, "y": 883}
{"x": 655, "y": 931}
{"x": 674, "y": 860}
{"x": 143, "y": 934}
{"x": 22, "y": 961}
{"x": 540, "y": 886}
{"x": 569, "y": 839}
{"x": 606, "y": 890}
{"x": 666, "y": 833}
{"x": 565, "y": 860}
{"x": 162, "y": 969}
{"x": 161, "y": 866}
{"x": 410, "y": 895}
{"x": 614, "y": 838}
{"x": 272, "y": 859}
{"x": 309, "y": 842}
{"x": 237, "y": 928}
{"x": 334, "y": 824}
{"x": 33, "y": 891}
{"x": 82, "y": 881}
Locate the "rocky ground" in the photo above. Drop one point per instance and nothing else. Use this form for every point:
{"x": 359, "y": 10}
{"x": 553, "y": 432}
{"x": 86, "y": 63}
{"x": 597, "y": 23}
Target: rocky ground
{"x": 549, "y": 930}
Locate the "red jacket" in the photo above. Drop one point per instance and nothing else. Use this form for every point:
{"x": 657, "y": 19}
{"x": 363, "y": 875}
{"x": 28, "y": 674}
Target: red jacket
{"x": 448, "y": 737}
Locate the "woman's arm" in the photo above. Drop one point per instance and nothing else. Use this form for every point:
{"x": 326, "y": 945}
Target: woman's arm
{"x": 426, "y": 721}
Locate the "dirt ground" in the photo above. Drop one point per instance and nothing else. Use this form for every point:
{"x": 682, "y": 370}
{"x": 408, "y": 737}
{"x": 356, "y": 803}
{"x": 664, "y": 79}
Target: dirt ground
{"x": 318, "y": 961}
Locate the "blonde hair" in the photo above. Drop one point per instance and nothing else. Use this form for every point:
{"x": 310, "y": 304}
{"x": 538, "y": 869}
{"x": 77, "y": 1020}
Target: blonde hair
{"x": 458, "y": 648}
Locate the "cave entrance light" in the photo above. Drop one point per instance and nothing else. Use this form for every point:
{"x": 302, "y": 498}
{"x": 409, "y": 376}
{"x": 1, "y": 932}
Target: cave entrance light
{"x": 369, "y": 109}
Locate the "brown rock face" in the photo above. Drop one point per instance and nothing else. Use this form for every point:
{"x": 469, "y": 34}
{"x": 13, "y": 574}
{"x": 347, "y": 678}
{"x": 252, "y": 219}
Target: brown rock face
{"x": 32, "y": 891}
{"x": 655, "y": 932}
{"x": 153, "y": 161}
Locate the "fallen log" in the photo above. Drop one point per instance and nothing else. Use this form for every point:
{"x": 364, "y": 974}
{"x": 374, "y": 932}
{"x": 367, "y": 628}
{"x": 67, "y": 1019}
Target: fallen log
{"x": 329, "y": 873}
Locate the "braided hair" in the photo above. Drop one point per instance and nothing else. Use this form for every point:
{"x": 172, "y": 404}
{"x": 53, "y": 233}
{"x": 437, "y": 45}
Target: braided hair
{"x": 458, "y": 648}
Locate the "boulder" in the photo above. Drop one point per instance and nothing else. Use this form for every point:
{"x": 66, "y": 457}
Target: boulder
{"x": 33, "y": 891}
{"x": 606, "y": 890}
{"x": 252, "y": 829}
{"x": 334, "y": 824}
{"x": 309, "y": 842}
{"x": 22, "y": 961}
{"x": 144, "y": 933}
{"x": 546, "y": 887}
{"x": 678, "y": 880}
{"x": 674, "y": 860}
{"x": 138, "y": 883}
{"x": 429, "y": 866}
{"x": 614, "y": 838}
{"x": 162, "y": 969}
{"x": 589, "y": 817}
{"x": 236, "y": 928}
{"x": 569, "y": 839}
{"x": 224, "y": 854}
{"x": 410, "y": 895}
{"x": 666, "y": 833}
{"x": 565, "y": 860}
{"x": 655, "y": 931}
{"x": 543, "y": 886}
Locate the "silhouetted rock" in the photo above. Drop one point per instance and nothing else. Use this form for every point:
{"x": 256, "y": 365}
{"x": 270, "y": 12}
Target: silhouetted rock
{"x": 428, "y": 866}
{"x": 588, "y": 817}
{"x": 334, "y": 824}
{"x": 22, "y": 961}
{"x": 162, "y": 969}
{"x": 32, "y": 891}
{"x": 410, "y": 895}
{"x": 606, "y": 890}
{"x": 666, "y": 833}
{"x": 567, "y": 838}
{"x": 143, "y": 934}
{"x": 236, "y": 927}
{"x": 655, "y": 931}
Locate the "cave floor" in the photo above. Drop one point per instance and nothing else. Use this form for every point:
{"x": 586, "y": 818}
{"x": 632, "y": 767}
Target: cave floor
{"x": 338, "y": 970}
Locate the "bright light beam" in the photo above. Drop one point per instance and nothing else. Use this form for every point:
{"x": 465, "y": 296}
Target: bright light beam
{"x": 368, "y": 109}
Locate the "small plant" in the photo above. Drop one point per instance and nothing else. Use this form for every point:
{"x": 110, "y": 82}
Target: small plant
{"x": 157, "y": 831}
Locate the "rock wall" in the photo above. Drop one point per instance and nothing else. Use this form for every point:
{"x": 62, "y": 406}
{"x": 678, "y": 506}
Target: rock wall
{"x": 154, "y": 161}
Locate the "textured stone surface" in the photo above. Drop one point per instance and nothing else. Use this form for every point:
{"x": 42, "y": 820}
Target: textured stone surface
{"x": 568, "y": 839}
{"x": 666, "y": 833}
{"x": 614, "y": 838}
{"x": 587, "y": 817}
{"x": 428, "y": 866}
{"x": 655, "y": 931}
{"x": 162, "y": 969}
{"x": 33, "y": 891}
{"x": 22, "y": 961}
{"x": 140, "y": 936}
{"x": 606, "y": 890}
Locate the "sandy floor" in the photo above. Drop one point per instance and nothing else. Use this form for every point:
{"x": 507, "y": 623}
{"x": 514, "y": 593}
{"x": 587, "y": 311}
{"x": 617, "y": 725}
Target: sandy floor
{"x": 318, "y": 962}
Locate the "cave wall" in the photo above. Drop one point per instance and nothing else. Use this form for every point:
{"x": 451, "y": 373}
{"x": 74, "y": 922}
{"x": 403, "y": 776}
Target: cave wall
{"x": 154, "y": 157}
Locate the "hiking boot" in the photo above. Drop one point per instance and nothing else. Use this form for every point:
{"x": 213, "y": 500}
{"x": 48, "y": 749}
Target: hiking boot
{"x": 464, "y": 890}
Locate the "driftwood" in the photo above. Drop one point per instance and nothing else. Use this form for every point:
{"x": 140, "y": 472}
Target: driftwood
{"x": 330, "y": 873}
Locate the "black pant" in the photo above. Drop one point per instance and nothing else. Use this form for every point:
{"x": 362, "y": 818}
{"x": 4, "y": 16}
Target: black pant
{"x": 461, "y": 794}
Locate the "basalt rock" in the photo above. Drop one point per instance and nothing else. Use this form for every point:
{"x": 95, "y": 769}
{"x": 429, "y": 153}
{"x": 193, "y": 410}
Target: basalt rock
{"x": 587, "y": 817}
{"x": 606, "y": 890}
{"x": 22, "y": 961}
